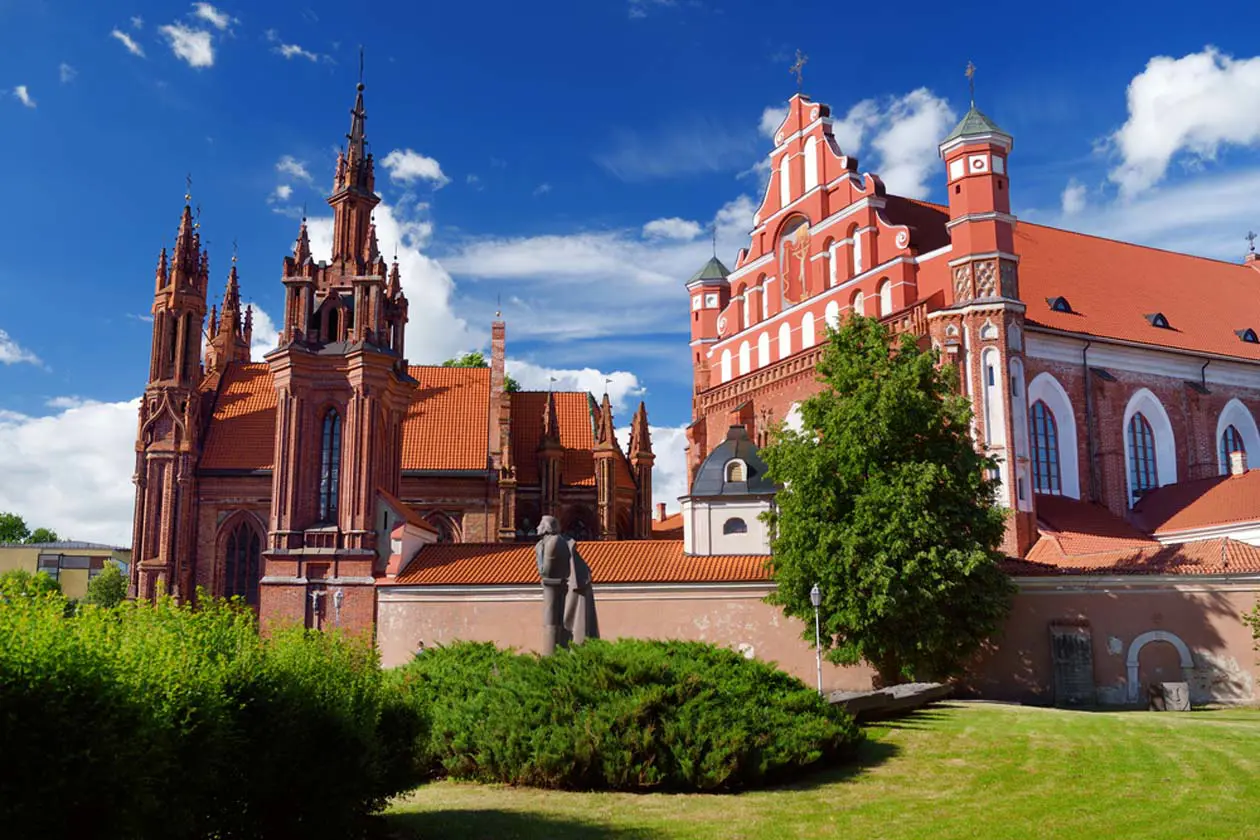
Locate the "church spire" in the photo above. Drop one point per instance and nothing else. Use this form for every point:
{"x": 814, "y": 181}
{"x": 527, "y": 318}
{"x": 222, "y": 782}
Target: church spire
{"x": 640, "y": 437}
{"x": 229, "y": 339}
{"x": 302, "y": 247}
{"x": 353, "y": 197}
{"x": 605, "y": 436}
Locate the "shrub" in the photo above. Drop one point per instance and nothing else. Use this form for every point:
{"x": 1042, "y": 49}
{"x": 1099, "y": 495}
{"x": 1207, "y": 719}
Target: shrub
{"x": 160, "y": 720}
{"x": 625, "y": 715}
{"x": 108, "y": 589}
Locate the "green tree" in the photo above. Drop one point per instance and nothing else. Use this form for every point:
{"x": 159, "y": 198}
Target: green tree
{"x": 888, "y": 508}
{"x": 13, "y": 528}
{"x": 21, "y": 582}
{"x": 42, "y": 535}
{"x": 108, "y": 589}
{"x": 477, "y": 359}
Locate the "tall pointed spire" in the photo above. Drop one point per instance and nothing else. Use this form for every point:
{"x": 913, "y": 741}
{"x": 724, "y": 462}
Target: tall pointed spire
{"x": 353, "y": 197}
{"x": 551, "y": 425}
{"x": 302, "y": 247}
{"x": 604, "y": 429}
{"x": 640, "y": 436}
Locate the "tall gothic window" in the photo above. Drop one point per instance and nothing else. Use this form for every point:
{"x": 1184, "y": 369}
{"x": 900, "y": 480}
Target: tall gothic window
{"x": 1231, "y": 441}
{"x": 329, "y": 466}
{"x": 1045, "y": 449}
{"x": 241, "y": 570}
{"x": 1143, "y": 470}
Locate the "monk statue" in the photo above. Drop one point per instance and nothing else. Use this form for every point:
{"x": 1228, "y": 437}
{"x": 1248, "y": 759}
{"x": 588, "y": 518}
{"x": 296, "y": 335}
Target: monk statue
{"x": 568, "y": 602}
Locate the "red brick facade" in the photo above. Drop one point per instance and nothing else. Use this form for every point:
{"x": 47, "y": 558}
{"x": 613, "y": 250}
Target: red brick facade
{"x": 1009, "y": 303}
{"x": 281, "y": 482}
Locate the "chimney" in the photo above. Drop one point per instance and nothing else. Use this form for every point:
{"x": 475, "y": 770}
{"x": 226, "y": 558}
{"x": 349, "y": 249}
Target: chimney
{"x": 660, "y": 511}
{"x": 1237, "y": 462}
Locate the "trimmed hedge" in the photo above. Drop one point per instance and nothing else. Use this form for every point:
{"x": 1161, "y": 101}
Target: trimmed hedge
{"x": 164, "y": 721}
{"x": 628, "y": 715}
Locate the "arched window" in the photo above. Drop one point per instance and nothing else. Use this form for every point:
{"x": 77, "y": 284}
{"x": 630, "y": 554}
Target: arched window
{"x": 726, "y": 365}
{"x": 785, "y": 341}
{"x": 785, "y": 180}
{"x": 242, "y": 566}
{"x": 811, "y": 163}
{"x": 854, "y": 257}
{"x": 1045, "y": 450}
{"x": 745, "y": 358}
{"x": 334, "y": 316}
{"x": 832, "y": 315}
{"x": 1231, "y": 441}
{"x": 831, "y": 263}
{"x": 885, "y": 298}
{"x": 736, "y": 471}
{"x": 807, "y": 331}
{"x": 445, "y": 528}
{"x": 858, "y": 303}
{"x": 735, "y": 525}
{"x": 763, "y": 349}
{"x": 1143, "y": 469}
{"x": 857, "y": 251}
{"x": 330, "y": 466}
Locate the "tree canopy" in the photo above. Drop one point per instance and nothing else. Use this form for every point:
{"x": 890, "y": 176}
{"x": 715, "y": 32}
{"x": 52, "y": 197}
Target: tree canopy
{"x": 477, "y": 359}
{"x": 13, "y": 529}
{"x": 108, "y": 589}
{"x": 886, "y": 505}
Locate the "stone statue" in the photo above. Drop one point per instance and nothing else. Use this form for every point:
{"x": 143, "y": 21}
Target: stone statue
{"x": 568, "y": 603}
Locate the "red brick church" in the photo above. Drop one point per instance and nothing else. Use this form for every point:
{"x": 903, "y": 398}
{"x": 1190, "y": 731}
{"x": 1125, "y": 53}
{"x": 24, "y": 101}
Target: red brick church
{"x": 284, "y": 481}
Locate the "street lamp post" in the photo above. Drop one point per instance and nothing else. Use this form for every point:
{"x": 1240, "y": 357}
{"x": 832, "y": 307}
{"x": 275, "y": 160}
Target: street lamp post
{"x": 815, "y": 598}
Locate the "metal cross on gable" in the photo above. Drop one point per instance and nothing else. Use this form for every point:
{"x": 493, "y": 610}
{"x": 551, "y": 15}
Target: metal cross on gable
{"x": 970, "y": 73}
{"x": 799, "y": 67}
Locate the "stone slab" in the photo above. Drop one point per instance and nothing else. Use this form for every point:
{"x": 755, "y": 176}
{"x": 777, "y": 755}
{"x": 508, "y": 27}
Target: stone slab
{"x": 890, "y": 702}
{"x": 1169, "y": 697}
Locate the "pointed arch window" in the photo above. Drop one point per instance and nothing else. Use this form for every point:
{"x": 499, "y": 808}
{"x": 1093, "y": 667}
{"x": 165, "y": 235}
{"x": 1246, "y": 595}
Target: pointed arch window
{"x": 330, "y": 466}
{"x": 242, "y": 568}
{"x": 1231, "y": 441}
{"x": 1143, "y": 469}
{"x": 1045, "y": 449}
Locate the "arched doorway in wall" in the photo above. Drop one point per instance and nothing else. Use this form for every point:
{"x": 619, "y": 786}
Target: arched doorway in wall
{"x": 1156, "y": 656}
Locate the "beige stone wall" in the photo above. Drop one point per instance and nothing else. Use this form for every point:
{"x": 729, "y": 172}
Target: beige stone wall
{"x": 1142, "y": 630}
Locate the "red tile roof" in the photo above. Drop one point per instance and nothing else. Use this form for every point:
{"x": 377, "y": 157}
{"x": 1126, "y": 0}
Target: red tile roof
{"x": 448, "y": 422}
{"x": 1085, "y": 528}
{"x": 1202, "y": 557}
{"x": 626, "y": 561}
{"x": 1112, "y": 286}
{"x": 577, "y": 435}
{"x": 669, "y": 528}
{"x": 242, "y": 434}
{"x": 1208, "y": 502}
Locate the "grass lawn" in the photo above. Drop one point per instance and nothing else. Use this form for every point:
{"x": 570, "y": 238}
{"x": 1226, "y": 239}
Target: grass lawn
{"x": 956, "y": 771}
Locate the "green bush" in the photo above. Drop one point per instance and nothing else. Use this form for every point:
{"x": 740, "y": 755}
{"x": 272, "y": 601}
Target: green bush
{"x": 625, "y": 715}
{"x": 151, "y": 720}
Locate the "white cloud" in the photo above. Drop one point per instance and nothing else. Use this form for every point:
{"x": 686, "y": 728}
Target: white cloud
{"x": 669, "y": 470}
{"x": 1192, "y": 105}
{"x": 908, "y": 140}
{"x": 127, "y": 41}
{"x": 622, "y": 386}
{"x": 191, "y": 45}
{"x": 639, "y": 8}
{"x": 295, "y": 51}
{"x": 67, "y": 73}
{"x": 406, "y": 166}
{"x": 542, "y": 189}
{"x": 771, "y": 118}
{"x": 24, "y": 96}
{"x": 695, "y": 145}
{"x": 434, "y": 333}
{"x": 281, "y": 193}
{"x": 218, "y": 19}
{"x": 1074, "y": 196}
{"x": 137, "y": 22}
{"x": 559, "y": 283}
{"x": 850, "y": 130}
{"x": 71, "y": 471}
{"x": 672, "y": 228}
{"x": 289, "y": 165}
{"x": 265, "y": 337}
{"x": 1201, "y": 216}
{"x": 12, "y": 353}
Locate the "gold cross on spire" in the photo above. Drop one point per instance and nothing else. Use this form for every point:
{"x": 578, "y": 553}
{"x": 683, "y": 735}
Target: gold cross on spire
{"x": 970, "y": 73}
{"x": 798, "y": 68}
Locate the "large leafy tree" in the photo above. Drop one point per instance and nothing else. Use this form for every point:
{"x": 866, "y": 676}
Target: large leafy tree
{"x": 885, "y": 504}
{"x": 13, "y": 529}
{"x": 478, "y": 360}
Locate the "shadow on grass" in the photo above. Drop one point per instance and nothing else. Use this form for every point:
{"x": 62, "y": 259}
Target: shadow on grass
{"x": 487, "y": 824}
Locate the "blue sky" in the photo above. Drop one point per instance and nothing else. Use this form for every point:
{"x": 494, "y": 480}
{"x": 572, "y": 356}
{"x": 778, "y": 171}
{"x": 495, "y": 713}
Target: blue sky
{"x": 566, "y": 157}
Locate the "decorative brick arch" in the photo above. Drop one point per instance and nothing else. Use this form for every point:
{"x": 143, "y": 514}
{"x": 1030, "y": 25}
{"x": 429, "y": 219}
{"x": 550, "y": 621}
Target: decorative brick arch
{"x": 1046, "y": 389}
{"x": 222, "y": 540}
{"x": 1135, "y": 648}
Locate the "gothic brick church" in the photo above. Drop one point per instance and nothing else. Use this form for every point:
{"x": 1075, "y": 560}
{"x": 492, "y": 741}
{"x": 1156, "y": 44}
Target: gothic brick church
{"x": 284, "y": 481}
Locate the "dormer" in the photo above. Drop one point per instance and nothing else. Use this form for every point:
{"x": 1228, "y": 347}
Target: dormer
{"x": 1248, "y": 335}
{"x": 1157, "y": 319}
{"x": 1059, "y": 304}
{"x": 732, "y": 489}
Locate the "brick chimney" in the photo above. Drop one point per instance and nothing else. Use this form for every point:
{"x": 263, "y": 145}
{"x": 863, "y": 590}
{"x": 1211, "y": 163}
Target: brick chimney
{"x": 660, "y": 511}
{"x": 1237, "y": 462}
